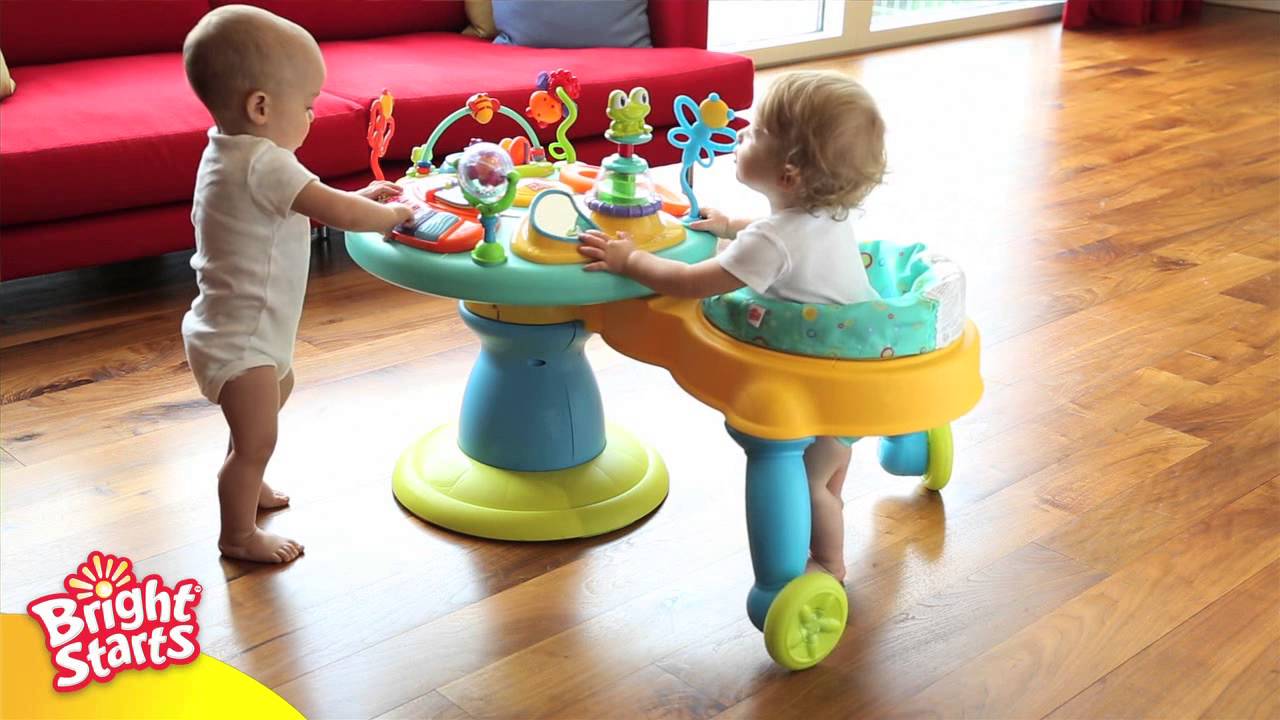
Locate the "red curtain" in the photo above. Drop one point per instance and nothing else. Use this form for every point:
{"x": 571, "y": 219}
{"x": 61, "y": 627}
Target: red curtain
{"x": 1079, "y": 13}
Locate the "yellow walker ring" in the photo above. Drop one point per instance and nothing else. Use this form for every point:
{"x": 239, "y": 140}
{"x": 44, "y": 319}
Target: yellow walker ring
{"x": 780, "y": 396}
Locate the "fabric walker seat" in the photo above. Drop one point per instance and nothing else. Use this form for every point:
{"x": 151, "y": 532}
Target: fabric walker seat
{"x": 921, "y": 309}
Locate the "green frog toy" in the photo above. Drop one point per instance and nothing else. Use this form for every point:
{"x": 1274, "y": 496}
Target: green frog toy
{"x": 628, "y": 114}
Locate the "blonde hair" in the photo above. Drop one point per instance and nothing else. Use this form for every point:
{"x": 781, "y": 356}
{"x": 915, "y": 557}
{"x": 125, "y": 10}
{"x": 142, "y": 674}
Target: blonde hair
{"x": 235, "y": 50}
{"x": 828, "y": 127}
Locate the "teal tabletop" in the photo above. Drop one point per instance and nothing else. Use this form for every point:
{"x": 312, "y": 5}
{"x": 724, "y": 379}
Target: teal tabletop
{"x": 516, "y": 282}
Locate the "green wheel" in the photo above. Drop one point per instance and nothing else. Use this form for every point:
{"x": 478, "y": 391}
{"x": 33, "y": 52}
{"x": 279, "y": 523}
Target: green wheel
{"x": 806, "y": 621}
{"x": 941, "y": 455}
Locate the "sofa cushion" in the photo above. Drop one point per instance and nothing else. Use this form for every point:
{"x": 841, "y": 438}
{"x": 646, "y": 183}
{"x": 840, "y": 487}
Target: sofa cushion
{"x": 354, "y": 19}
{"x": 571, "y": 24}
{"x": 127, "y": 132}
{"x": 47, "y": 31}
{"x": 432, "y": 74}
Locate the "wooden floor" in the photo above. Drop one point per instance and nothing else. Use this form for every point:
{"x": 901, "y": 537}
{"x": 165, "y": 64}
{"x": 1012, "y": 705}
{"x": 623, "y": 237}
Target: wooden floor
{"x": 1107, "y": 548}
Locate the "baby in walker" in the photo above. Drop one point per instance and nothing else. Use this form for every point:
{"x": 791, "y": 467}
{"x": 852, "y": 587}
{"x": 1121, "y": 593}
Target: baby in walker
{"x": 815, "y": 150}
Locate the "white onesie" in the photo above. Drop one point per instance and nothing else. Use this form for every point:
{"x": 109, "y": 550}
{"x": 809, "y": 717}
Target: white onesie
{"x": 253, "y": 253}
{"x": 799, "y": 257}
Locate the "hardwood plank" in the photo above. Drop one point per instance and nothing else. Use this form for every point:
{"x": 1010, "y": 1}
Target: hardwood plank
{"x": 1064, "y": 652}
{"x": 1091, "y": 477}
{"x": 528, "y": 613}
{"x": 1140, "y": 326}
{"x": 647, "y": 693}
{"x": 432, "y": 706}
{"x": 916, "y": 551}
{"x": 1078, "y": 418}
{"x": 1036, "y": 439}
{"x": 1216, "y": 412}
{"x": 1264, "y": 290}
{"x": 7, "y": 461}
{"x": 1214, "y": 651}
{"x": 1202, "y": 245}
{"x": 1120, "y": 407}
{"x": 40, "y": 308}
{"x": 136, "y": 404}
{"x": 1253, "y": 694}
{"x": 50, "y": 306}
{"x": 517, "y": 618}
{"x": 1268, "y": 249}
{"x": 879, "y": 664}
{"x": 1225, "y": 354}
{"x": 1111, "y": 535}
{"x": 66, "y": 361}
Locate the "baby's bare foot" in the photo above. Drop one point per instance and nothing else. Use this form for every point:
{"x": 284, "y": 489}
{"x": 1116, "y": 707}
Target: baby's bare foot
{"x": 815, "y": 566}
{"x": 269, "y": 499}
{"x": 261, "y": 546}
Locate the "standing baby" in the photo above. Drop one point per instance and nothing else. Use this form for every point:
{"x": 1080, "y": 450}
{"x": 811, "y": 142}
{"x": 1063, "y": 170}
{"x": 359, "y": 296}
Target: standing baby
{"x": 258, "y": 75}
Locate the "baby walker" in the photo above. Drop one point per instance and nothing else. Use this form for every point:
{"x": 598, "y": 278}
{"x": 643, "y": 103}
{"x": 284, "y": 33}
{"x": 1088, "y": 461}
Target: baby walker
{"x": 532, "y": 457}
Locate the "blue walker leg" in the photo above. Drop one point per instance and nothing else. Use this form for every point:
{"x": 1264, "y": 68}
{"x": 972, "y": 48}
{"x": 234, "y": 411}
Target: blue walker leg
{"x": 905, "y": 455}
{"x": 802, "y": 616}
{"x": 927, "y": 454}
{"x": 778, "y": 516}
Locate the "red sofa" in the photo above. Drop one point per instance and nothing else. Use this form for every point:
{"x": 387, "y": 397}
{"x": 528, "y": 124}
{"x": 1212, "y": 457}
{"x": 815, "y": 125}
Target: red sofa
{"x": 99, "y": 145}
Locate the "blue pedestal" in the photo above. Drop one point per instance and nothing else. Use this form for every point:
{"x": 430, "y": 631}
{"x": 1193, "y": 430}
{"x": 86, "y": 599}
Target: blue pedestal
{"x": 531, "y": 403}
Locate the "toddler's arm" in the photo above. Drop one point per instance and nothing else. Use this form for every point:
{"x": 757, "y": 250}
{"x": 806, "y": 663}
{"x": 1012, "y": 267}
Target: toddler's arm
{"x": 666, "y": 277}
{"x": 349, "y": 210}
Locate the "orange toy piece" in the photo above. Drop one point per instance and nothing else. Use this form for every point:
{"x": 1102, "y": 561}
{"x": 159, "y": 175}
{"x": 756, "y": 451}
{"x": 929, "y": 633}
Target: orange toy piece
{"x": 673, "y": 203}
{"x": 544, "y": 108}
{"x": 519, "y": 148}
{"x": 580, "y": 177}
{"x": 381, "y": 127}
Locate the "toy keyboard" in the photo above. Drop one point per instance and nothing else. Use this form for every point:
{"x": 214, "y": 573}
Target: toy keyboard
{"x": 438, "y": 230}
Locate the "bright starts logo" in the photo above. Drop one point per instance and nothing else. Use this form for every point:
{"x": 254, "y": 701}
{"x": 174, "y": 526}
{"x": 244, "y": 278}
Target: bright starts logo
{"x": 106, "y": 621}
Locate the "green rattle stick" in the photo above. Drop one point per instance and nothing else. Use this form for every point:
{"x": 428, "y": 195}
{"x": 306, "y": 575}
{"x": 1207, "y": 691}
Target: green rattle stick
{"x": 562, "y": 149}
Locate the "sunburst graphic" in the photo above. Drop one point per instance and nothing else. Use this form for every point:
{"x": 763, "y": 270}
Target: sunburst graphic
{"x": 100, "y": 576}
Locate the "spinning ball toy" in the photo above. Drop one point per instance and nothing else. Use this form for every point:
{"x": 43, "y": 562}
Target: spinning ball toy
{"x": 487, "y": 179}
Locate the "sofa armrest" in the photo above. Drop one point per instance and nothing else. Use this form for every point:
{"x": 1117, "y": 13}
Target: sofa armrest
{"x": 678, "y": 23}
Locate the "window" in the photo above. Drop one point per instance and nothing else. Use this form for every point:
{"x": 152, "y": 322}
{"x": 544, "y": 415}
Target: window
{"x": 781, "y": 31}
{"x": 748, "y": 24}
{"x": 889, "y": 14}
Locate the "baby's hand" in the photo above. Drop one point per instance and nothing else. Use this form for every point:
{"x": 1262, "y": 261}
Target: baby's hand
{"x": 379, "y": 190}
{"x": 400, "y": 213}
{"x": 714, "y": 222}
{"x": 608, "y": 253}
